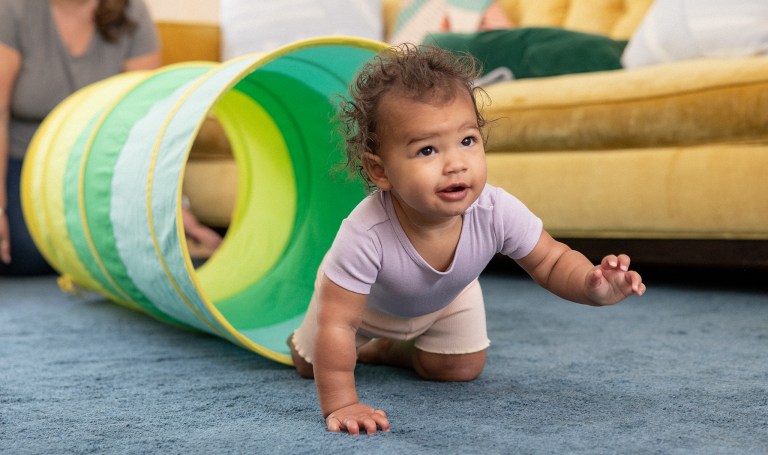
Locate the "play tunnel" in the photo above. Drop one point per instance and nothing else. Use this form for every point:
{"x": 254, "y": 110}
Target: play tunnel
{"x": 103, "y": 176}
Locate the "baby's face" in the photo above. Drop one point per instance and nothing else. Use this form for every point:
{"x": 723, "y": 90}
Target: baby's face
{"x": 432, "y": 155}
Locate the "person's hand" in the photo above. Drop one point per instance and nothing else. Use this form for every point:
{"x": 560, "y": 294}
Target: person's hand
{"x": 209, "y": 239}
{"x": 494, "y": 18}
{"x": 612, "y": 281}
{"x": 356, "y": 417}
{"x": 5, "y": 239}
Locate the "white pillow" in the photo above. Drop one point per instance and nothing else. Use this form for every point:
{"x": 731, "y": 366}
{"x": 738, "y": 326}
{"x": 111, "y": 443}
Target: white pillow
{"x": 250, "y": 26}
{"x": 689, "y": 29}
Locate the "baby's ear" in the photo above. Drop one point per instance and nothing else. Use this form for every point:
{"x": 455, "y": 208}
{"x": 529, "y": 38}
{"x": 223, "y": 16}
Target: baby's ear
{"x": 374, "y": 167}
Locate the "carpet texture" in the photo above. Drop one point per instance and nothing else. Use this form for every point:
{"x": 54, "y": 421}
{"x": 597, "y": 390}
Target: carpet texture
{"x": 683, "y": 369}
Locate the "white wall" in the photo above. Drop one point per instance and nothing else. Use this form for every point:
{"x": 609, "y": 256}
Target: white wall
{"x": 206, "y": 11}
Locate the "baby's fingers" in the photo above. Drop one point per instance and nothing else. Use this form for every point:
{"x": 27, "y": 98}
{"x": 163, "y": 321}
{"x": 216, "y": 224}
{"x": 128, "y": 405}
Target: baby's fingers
{"x": 636, "y": 283}
{"x": 612, "y": 261}
{"x": 595, "y": 278}
{"x": 351, "y": 426}
{"x": 354, "y": 425}
{"x": 380, "y": 419}
{"x": 371, "y": 424}
{"x": 335, "y": 425}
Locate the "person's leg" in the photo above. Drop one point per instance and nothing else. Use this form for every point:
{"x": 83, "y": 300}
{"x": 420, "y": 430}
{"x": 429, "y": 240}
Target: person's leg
{"x": 428, "y": 365}
{"x": 453, "y": 348}
{"x": 449, "y": 367}
{"x": 302, "y": 340}
{"x": 304, "y": 368}
{"x": 25, "y": 257}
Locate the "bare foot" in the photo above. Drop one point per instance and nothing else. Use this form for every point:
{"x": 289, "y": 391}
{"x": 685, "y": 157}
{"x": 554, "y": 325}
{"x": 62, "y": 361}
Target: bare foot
{"x": 370, "y": 352}
{"x": 303, "y": 367}
{"x": 383, "y": 351}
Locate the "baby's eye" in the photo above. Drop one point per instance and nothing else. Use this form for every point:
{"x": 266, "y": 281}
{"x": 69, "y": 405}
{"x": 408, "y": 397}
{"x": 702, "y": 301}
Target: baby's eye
{"x": 426, "y": 151}
{"x": 468, "y": 141}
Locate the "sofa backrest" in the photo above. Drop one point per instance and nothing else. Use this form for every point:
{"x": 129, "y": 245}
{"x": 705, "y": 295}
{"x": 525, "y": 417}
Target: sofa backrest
{"x": 184, "y": 41}
{"x": 615, "y": 18}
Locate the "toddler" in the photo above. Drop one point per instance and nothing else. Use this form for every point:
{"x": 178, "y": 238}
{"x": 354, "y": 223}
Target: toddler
{"x": 399, "y": 286}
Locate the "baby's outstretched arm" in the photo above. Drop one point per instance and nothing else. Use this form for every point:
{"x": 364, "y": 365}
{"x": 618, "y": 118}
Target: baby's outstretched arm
{"x": 339, "y": 316}
{"x": 570, "y": 275}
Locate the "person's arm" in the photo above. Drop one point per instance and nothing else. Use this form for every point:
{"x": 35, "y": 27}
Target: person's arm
{"x": 148, "y": 61}
{"x": 146, "y": 48}
{"x": 495, "y": 18}
{"x": 10, "y": 64}
{"x": 339, "y": 315}
{"x": 569, "y": 274}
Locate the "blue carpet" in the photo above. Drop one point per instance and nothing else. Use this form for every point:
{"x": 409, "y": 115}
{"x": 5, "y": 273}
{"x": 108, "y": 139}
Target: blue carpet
{"x": 681, "y": 370}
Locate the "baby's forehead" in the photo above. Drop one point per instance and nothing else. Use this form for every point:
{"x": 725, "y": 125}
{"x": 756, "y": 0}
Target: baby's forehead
{"x": 399, "y": 98}
{"x": 398, "y": 113}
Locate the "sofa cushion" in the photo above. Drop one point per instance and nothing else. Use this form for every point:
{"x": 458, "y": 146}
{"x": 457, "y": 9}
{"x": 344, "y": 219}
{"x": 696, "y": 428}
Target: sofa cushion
{"x": 176, "y": 37}
{"x": 690, "y": 29}
{"x": 536, "y": 51}
{"x": 615, "y": 18}
{"x": 677, "y": 104}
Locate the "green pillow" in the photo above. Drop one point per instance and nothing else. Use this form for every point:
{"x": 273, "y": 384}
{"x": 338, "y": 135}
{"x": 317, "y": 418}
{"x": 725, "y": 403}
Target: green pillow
{"x": 535, "y": 51}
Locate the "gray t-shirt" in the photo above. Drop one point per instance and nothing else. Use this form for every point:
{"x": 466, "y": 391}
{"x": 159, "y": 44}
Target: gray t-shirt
{"x": 372, "y": 254}
{"x": 48, "y": 72}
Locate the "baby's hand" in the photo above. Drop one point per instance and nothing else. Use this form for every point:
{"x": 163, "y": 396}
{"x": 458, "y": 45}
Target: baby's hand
{"x": 355, "y": 417}
{"x": 612, "y": 281}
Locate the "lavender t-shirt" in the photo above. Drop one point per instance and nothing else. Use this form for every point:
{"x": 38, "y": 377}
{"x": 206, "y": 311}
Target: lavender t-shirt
{"x": 372, "y": 254}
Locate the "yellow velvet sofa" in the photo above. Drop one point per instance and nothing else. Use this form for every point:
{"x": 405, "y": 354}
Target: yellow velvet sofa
{"x": 666, "y": 163}
{"x": 674, "y": 155}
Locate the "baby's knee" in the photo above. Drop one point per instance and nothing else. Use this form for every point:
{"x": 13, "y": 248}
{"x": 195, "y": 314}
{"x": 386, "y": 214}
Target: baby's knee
{"x": 450, "y": 367}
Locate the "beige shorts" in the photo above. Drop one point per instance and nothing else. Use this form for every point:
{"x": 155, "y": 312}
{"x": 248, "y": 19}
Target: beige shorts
{"x": 459, "y": 328}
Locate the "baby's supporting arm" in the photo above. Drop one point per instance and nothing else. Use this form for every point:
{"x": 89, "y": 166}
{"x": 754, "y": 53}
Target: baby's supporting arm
{"x": 340, "y": 314}
{"x": 570, "y": 275}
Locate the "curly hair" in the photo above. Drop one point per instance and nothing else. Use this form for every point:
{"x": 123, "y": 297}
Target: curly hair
{"x": 112, "y": 21}
{"x": 422, "y": 73}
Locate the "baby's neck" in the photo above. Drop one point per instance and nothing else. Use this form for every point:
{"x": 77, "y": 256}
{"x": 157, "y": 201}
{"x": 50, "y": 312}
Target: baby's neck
{"x": 435, "y": 242}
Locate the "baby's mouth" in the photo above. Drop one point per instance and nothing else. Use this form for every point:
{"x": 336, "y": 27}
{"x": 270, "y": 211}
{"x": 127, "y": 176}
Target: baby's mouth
{"x": 454, "y": 192}
{"x": 454, "y": 188}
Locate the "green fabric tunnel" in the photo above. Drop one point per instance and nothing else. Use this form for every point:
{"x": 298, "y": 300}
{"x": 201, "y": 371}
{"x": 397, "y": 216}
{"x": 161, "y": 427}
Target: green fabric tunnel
{"x": 101, "y": 188}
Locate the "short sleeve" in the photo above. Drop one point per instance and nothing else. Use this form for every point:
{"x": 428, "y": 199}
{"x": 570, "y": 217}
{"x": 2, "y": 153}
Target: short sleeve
{"x": 518, "y": 229}
{"x": 10, "y": 16}
{"x": 354, "y": 260}
{"x": 144, "y": 38}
